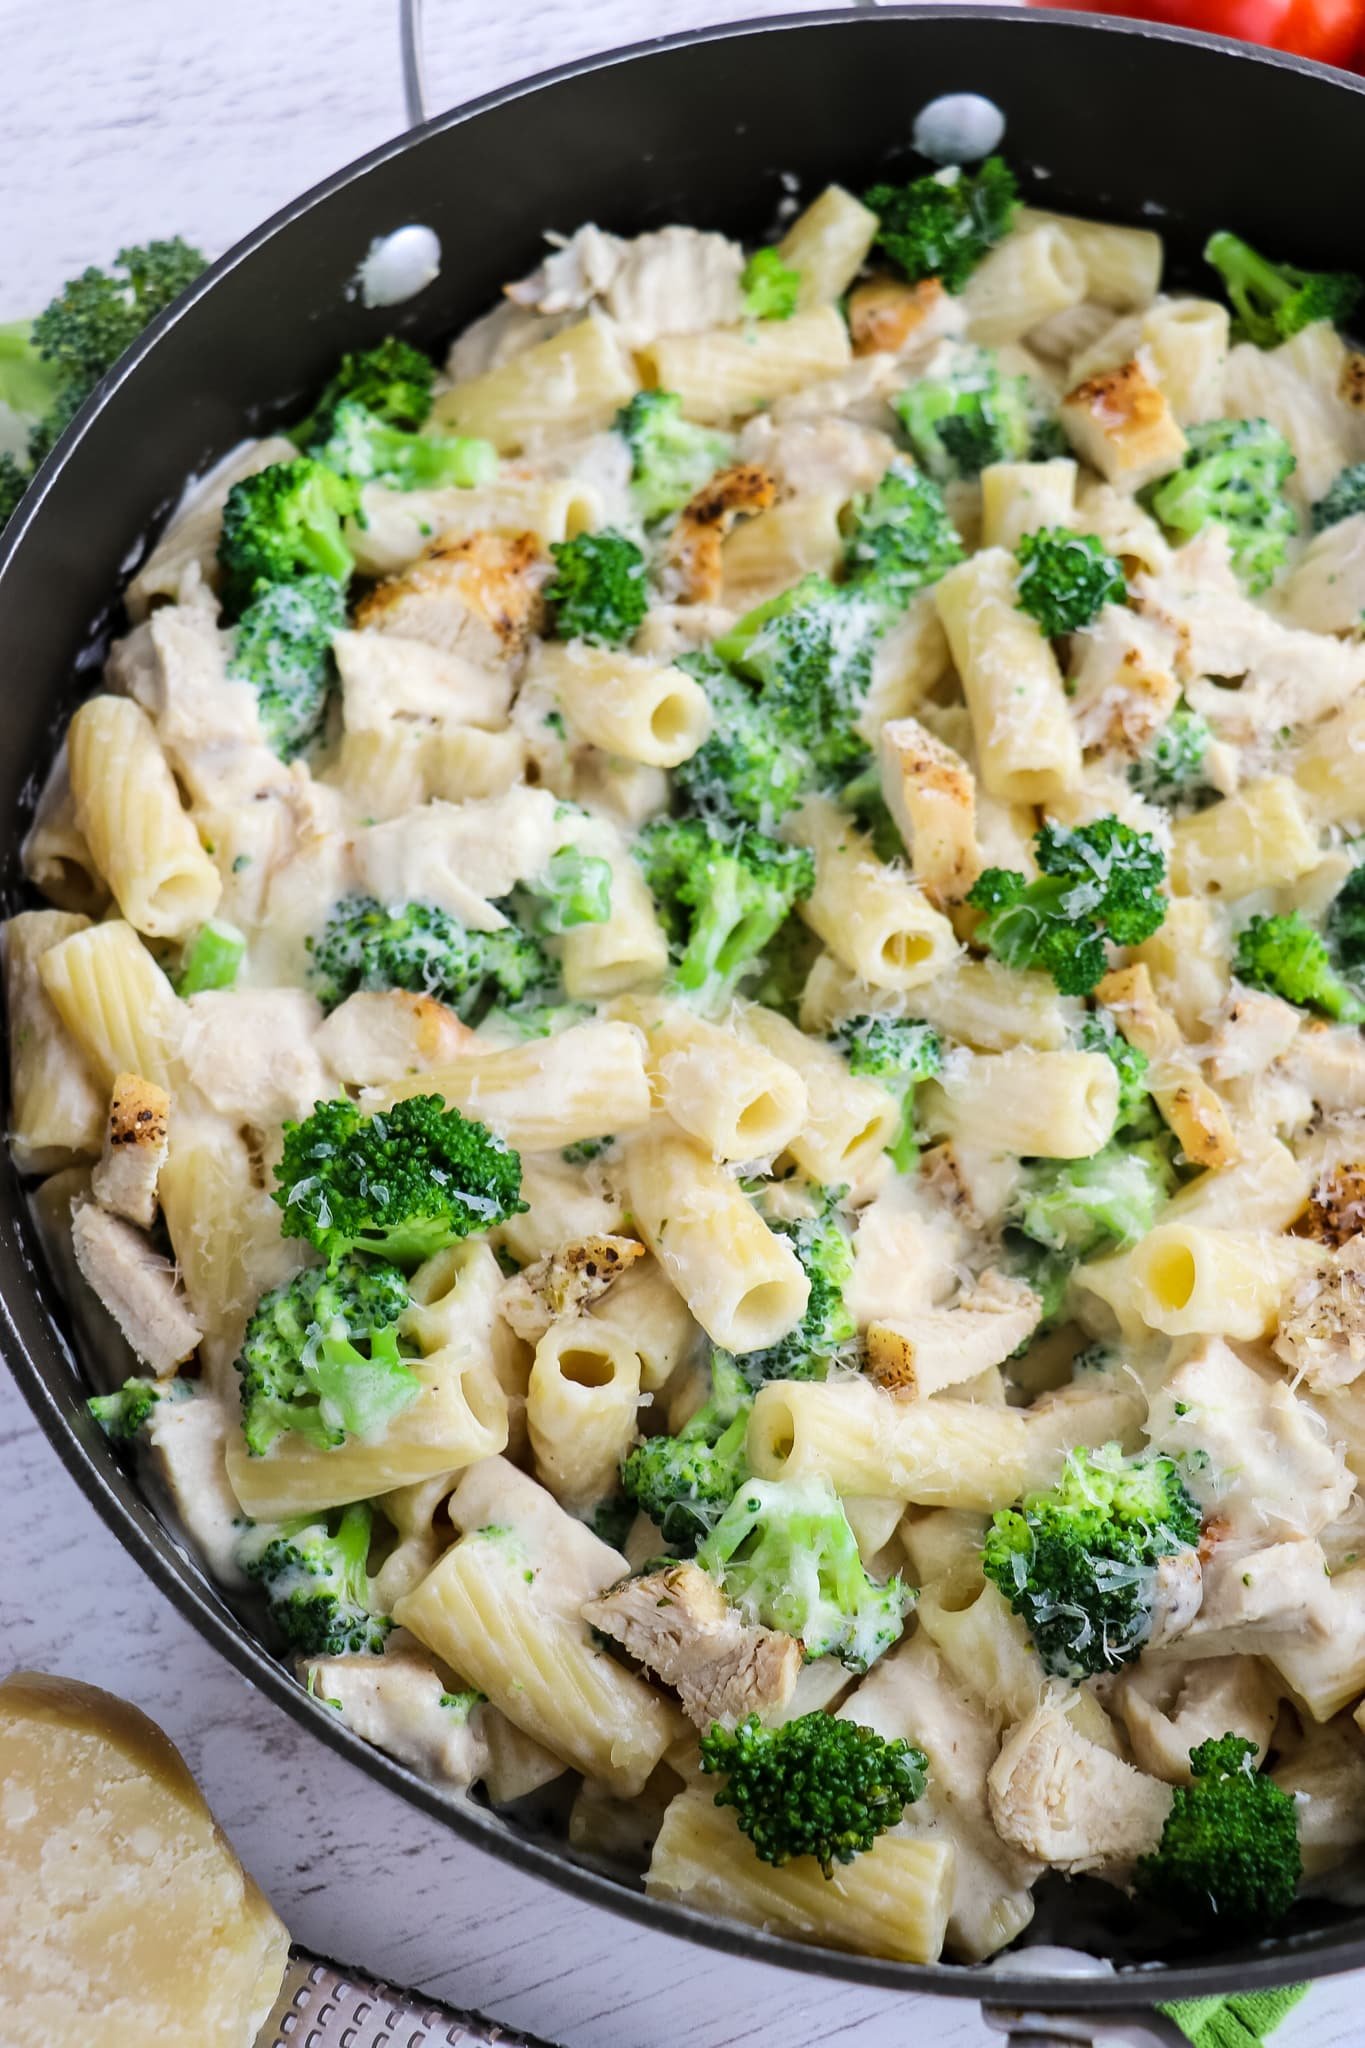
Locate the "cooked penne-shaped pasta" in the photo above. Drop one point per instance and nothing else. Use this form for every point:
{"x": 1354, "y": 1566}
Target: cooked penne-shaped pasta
{"x": 1122, "y": 265}
{"x": 571, "y": 384}
{"x": 873, "y": 918}
{"x": 640, "y": 710}
{"x": 942, "y": 1453}
{"x": 1249, "y": 841}
{"x": 1026, "y": 744}
{"x": 1188, "y": 1280}
{"x": 736, "y": 1098}
{"x": 459, "y": 1416}
{"x": 57, "y": 1109}
{"x": 1059, "y": 1104}
{"x": 129, "y": 813}
{"x": 744, "y": 1284}
{"x": 586, "y": 1082}
{"x": 828, "y": 244}
{"x": 116, "y": 1002}
{"x": 580, "y": 1408}
{"x": 849, "y": 1120}
{"x": 1019, "y": 497}
{"x": 732, "y": 371}
{"x": 1026, "y": 279}
{"x": 893, "y": 1901}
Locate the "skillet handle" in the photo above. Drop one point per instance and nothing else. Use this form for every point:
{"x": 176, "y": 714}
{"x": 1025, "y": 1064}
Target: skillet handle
{"x": 410, "y": 49}
{"x": 1140, "y": 2027}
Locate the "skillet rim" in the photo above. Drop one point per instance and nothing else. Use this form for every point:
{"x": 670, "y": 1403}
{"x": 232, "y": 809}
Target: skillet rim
{"x": 109, "y": 1485}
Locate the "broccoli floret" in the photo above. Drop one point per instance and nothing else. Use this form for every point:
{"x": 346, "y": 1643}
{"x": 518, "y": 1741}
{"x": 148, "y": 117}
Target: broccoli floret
{"x": 901, "y": 537}
{"x": 1346, "y": 925}
{"x": 1273, "y": 301}
{"x": 14, "y": 481}
{"x": 321, "y": 1356}
{"x": 1099, "y": 881}
{"x": 816, "y": 1786}
{"x": 283, "y": 648}
{"x": 575, "y": 889}
{"x": 98, "y": 316}
{"x": 1099, "y": 1033}
{"x": 401, "y": 1184}
{"x": 283, "y": 525}
{"x": 364, "y": 447}
{"x": 771, "y": 287}
{"x": 393, "y": 381}
{"x": 900, "y": 1054}
{"x": 670, "y": 457}
{"x": 1081, "y": 1206}
{"x": 599, "y": 589}
{"x": 784, "y": 969}
{"x": 826, "y": 1254}
{"x": 1234, "y": 472}
{"x": 810, "y": 651}
{"x": 1172, "y": 769}
{"x": 49, "y": 366}
{"x": 683, "y": 1482}
{"x": 316, "y": 1582}
{"x": 1065, "y": 578}
{"x": 1229, "y": 1858}
{"x": 123, "y": 1413}
{"x": 942, "y": 225}
{"x": 1345, "y": 497}
{"x": 212, "y": 959}
{"x": 721, "y": 896}
{"x": 959, "y": 424}
{"x": 28, "y": 384}
{"x": 745, "y": 770}
{"x": 1078, "y": 1562}
{"x": 1047, "y": 1272}
{"x": 420, "y": 947}
{"x": 1285, "y": 955}
{"x": 787, "y": 1558}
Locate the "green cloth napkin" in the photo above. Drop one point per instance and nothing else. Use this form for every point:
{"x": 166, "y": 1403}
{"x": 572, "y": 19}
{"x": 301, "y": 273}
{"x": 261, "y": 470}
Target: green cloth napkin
{"x": 1241, "y": 2021}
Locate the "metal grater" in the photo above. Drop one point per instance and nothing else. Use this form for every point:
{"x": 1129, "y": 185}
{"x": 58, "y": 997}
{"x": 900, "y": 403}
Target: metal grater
{"x": 323, "y": 2006}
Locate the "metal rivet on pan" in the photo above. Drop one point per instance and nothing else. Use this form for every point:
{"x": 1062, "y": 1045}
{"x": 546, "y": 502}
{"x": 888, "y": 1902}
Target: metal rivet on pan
{"x": 958, "y": 127}
{"x": 399, "y": 265}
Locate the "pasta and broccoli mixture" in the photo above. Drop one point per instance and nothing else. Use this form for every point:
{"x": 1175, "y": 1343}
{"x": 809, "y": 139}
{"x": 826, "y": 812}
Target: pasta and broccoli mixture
{"x": 700, "y": 1022}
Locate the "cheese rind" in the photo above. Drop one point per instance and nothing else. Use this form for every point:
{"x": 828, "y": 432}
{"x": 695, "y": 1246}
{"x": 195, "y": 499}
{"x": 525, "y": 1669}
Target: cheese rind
{"x": 124, "y": 1914}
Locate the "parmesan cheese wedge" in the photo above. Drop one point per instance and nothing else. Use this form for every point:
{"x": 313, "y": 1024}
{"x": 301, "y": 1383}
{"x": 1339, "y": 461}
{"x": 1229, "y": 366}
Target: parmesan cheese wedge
{"x": 124, "y": 1915}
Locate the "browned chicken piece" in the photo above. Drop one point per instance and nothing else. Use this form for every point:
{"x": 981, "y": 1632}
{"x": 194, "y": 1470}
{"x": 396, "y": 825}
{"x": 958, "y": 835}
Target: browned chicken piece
{"x": 136, "y": 1287}
{"x": 1321, "y": 1336}
{"x": 134, "y": 1149}
{"x": 1120, "y": 423}
{"x": 480, "y": 597}
{"x": 1336, "y": 1207}
{"x": 931, "y": 794}
{"x": 884, "y": 313}
{"x": 696, "y": 543}
{"x": 677, "y": 1623}
{"x": 565, "y": 1282}
{"x": 1351, "y": 384}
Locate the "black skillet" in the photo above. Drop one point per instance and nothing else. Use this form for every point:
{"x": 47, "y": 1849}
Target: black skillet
{"x": 1134, "y": 123}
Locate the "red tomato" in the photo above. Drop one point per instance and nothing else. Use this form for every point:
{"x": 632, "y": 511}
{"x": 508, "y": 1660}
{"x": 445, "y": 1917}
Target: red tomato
{"x": 1330, "y": 31}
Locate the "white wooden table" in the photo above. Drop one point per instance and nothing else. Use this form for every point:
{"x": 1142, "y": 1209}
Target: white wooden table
{"x": 160, "y": 116}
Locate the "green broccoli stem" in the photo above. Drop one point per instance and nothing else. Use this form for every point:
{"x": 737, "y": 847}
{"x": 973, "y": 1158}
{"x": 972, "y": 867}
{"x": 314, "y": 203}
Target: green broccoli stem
{"x": 212, "y": 959}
